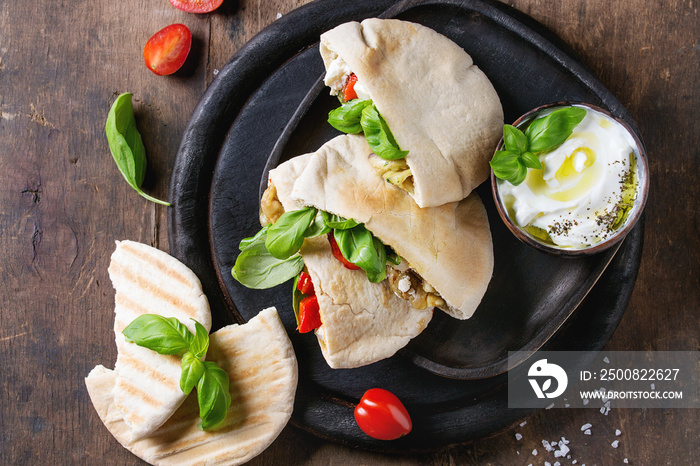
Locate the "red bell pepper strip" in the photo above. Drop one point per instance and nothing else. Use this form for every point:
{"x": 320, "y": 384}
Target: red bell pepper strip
{"x": 309, "y": 317}
{"x": 349, "y": 90}
{"x": 339, "y": 255}
{"x": 304, "y": 284}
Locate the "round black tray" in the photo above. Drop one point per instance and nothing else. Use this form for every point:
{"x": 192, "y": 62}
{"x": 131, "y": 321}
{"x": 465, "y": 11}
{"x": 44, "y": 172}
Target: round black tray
{"x": 229, "y": 141}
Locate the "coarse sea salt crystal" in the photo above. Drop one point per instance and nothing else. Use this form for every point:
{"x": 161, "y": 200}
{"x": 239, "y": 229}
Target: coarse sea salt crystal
{"x": 618, "y": 432}
{"x": 522, "y": 424}
{"x": 563, "y": 450}
{"x": 606, "y": 360}
{"x": 615, "y": 443}
{"x": 534, "y": 452}
{"x": 557, "y": 463}
{"x": 279, "y": 15}
{"x": 586, "y": 426}
{"x": 574, "y": 462}
{"x": 653, "y": 386}
{"x": 587, "y": 432}
{"x": 518, "y": 436}
{"x": 585, "y": 402}
{"x": 547, "y": 463}
{"x": 546, "y": 445}
{"x": 625, "y": 461}
{"x": 549, "y": 406}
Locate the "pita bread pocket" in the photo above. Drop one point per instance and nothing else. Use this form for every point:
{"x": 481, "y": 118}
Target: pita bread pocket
{"x": 448, "y": 247}
{"x": 149, "y": 281}
{"x": 262, "y": 368}
{"x": 434, "y": 103}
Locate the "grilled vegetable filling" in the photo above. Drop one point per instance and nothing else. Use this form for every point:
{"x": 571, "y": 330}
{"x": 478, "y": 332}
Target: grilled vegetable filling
{"x": 405, "y": 282}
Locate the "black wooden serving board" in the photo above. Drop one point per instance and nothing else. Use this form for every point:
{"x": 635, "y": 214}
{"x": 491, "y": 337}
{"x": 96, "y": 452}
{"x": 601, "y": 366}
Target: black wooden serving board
{"x": 259, "y": 110}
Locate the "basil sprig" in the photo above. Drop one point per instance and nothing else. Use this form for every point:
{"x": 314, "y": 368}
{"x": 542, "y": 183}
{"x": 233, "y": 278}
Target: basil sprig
{"x": 126, "y": 145}
{"x": 358, "y": 115}
{"x": 271, "y": 257}
{"x": 542, "y": 135}
{"x": 167, "y": 335}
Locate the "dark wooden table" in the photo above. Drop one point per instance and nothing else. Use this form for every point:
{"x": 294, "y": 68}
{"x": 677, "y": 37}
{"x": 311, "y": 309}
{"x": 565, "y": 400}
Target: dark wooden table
{"x": 63, "y": 203}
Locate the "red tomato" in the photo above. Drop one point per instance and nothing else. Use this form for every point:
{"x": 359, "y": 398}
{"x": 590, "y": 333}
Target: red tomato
{"x": 339, "y": 255}
{"x": 304, "y": 284}
{"x": 196, "y": 6}
{"x": 349, "y": 91}
{"x": 309, "y": 317}
{"x": 167, "y": 50}
{"x": 381, "y": 415}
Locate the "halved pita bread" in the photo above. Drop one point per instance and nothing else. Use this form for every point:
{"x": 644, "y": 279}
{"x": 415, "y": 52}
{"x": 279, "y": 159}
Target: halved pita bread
{"x": 437, "y": 103}
{"x": 262, "y": 368}
{"x": 149, "y": 281}
{"x": 449, "y": 246}
{"x": 363, "y": 322}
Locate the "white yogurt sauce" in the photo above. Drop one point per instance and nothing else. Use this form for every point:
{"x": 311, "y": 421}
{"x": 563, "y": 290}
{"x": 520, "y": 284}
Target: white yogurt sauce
{"x": 337, "y": 75}
{"x": 585, "y": 189}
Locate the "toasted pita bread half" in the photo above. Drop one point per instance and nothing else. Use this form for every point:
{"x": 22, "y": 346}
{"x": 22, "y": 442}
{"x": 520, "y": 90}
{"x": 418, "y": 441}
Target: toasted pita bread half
{"x": 439, "y": 106}
{"x": 262, "y": 369}
{"x": 149, "y": 281}
{"x": 362, "y": 322}
{"x": 449, "y": 247}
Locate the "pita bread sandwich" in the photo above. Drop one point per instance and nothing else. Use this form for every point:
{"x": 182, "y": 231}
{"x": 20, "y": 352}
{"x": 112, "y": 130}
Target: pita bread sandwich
{"x": 431, "y": 115}
{"x": 149, "y": 281}
{"x": 259, "y": 360}
{"x": 407, "y": 260}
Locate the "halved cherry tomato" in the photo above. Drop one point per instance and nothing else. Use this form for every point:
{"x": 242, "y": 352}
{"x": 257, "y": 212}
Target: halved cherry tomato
{"x": 304, "y": 284}
{"x": 349, "y": 91}
{"x": 196, "y": 6}
{"x": 381, "y": 415}
{"x": 166, "y": 51}
{"x": 339, "y": 255}
{"x": 309, "y": 317}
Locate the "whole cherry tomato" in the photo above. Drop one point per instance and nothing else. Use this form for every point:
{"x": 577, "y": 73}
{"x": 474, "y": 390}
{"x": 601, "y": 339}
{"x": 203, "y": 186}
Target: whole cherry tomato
{"x": 381, "y": 415}
{"x": 196, "y": 6}
{"x": 166, "y": 51}
{"x": 339, "y": 255}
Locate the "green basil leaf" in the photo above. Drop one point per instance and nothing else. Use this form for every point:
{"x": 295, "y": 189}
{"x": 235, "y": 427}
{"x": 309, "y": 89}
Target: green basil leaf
{"x": 164, "y": 335}
{"x": 550, "y": 131}
{"x": 359, "y": 246}
{"x": 530, "y": 160}
{"x": 337, "y": 222}
{"x": 213, "y": 395}
{"x": 318, "y": 226}
{"x": 346, "y": 118}
{"x": 504, "y": 164}
{"x": 200, "y": 343}
{"x": 126, "y": 145}
{"x": 259, "y": 236}
{"x": 392, "y": 257}
{"x": 192, "y": 370}
{"x": 378, "y": 135}
{"x": 286, "y": 235}
{"x": 297, "y": 296}
{"x": 256, "y": 268}
{"x": 519, "y": 176}
{"x": 514, "y": 140}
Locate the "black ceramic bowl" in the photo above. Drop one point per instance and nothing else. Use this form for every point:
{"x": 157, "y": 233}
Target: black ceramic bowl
{"x": 612, "y": 239}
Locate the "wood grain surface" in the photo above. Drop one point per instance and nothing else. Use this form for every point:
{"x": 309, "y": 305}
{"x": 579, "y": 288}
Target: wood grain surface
{"x": 63, "y": 203}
